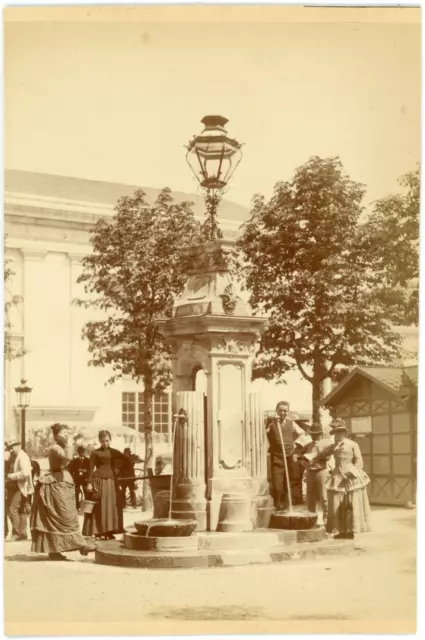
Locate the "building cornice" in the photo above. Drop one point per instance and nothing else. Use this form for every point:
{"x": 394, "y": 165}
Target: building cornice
{"x": 46, "y": 211}
{"x": 74, "y": 414}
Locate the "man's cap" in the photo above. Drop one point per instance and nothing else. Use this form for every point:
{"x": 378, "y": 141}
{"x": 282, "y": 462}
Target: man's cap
{"x": 13, "y": 443}
{"x": 315, "y": 428}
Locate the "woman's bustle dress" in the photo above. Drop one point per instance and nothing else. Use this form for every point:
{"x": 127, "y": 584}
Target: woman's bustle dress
{"x": 348, "y": 459}
{"x": 107, "y": 513}
{"x": 54, "y": 519}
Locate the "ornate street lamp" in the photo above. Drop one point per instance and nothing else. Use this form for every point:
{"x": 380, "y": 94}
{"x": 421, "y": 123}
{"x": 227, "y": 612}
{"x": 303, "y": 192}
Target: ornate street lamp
{"x": 23, "y": 395}
{"x": 213, "y": 158}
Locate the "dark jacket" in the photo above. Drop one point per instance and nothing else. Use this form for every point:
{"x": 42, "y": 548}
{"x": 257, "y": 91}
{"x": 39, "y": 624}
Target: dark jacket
{"x": 79, "y": 469}
{"x": 105, "y": 463}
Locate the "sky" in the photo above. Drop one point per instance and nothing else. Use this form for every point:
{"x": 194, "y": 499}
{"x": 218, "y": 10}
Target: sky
{"x": 118, "y": 101}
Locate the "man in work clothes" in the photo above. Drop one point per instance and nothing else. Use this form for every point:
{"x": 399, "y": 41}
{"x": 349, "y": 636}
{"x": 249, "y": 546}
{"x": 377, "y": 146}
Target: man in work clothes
{"x": 280, "y": 429}
{"x": 19, "y": 489}
{"x": 317, "y": 471}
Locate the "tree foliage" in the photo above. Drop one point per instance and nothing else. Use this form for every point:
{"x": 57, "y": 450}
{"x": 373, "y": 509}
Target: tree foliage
{"x": 133, "y": 274}
{"x": 10, "y": 351}
{"x": 308, "y": 274}
{"x": 391, "y": 236}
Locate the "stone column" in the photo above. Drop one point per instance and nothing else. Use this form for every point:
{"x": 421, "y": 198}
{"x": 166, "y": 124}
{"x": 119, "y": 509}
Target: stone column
{"x": 75, "y": 326}
{"x": 34, "y": 320}
{"x": 188, "y": 490}
{"x": 258, "y": 455}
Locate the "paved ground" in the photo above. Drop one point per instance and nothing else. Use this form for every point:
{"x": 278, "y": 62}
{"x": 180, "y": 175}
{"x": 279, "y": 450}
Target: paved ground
{"x": 378, "y": 583}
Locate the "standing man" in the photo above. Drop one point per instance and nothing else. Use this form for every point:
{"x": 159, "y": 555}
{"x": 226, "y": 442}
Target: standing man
{"x": 127, "y": 471}
{"x": 7, "y": 462}
{"x": 19, "y": 488}
{"x": 317, "y": 471}
{"x": 281, "y": 428}
{"x": 79, "y": 469}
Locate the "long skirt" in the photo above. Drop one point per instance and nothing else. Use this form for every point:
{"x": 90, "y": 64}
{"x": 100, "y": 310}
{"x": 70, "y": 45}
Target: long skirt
{"x": 358, "y": 508}
{"x": 54, "y": 520}
{"x": 104, "y": 518}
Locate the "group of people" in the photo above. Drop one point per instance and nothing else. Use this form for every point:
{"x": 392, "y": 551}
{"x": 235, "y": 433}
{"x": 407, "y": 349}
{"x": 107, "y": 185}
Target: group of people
{"x": 333, "y": 470}
{"x": 53, "y": 500}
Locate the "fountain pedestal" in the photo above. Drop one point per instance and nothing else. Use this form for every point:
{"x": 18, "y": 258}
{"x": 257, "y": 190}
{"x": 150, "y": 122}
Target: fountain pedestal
{"x": 221, "y": 448}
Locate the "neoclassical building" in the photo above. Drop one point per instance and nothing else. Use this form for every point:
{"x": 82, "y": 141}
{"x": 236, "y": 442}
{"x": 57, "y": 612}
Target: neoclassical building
{"x": 47, "y": 222}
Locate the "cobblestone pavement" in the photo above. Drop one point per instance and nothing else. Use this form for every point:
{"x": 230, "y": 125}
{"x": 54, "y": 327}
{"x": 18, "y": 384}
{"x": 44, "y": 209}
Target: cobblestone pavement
{"x": 378, "y": 582}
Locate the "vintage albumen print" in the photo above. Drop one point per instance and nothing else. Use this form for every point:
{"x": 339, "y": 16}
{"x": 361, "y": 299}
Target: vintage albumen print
{"x": 211, "y": 221}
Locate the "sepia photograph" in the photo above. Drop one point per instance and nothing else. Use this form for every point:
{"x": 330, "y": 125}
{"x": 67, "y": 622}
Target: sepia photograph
{"x": 211, "y": 319}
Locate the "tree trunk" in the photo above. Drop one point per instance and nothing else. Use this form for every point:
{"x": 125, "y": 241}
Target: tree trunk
{"x": 316, "y": 386}
{"x": 148, "y": 462}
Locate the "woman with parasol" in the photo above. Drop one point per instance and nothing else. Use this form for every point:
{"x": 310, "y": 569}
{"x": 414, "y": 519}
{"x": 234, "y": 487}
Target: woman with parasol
{"x": 348, "y": 502}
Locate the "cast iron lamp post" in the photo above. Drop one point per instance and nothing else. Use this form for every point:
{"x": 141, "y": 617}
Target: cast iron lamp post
{"x": 23, "y": 395}
{"x": 213, "y": 158}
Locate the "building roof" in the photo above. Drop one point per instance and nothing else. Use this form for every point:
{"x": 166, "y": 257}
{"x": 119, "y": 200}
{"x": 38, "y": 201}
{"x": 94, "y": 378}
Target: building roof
{"x": 392, "y": 379}
{"x": 108, "y": 193}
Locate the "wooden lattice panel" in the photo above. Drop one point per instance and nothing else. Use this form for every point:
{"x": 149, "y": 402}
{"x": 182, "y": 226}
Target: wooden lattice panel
{"x": 380, "y": 406}
{"x": 401, "y": 423}
{"x": 380, "y": 490}
{"x": 398, "y": 406}
{"x": 402, "y": 490}
{"x": 342, "y": 410}
{"x": 360, "y": 409}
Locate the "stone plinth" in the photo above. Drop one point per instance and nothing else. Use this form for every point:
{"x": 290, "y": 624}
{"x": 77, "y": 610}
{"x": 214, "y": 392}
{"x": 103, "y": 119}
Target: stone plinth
{"x": 212, "y": 328}
{"x": 219, "y": 549}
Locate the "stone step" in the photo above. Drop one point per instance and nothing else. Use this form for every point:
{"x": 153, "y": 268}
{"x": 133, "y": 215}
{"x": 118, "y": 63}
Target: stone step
{"x": 219, "y": 541}
{"x": 113, "y": 553}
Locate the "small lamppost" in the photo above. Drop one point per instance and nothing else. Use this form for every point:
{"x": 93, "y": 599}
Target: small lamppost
{"x": 213, "y": 158}
{"x": 23, "y": 395}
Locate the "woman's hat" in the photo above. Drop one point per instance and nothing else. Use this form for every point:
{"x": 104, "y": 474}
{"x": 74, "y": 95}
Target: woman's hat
{"x": 338, "y": 425}
{"x": 315, "y": 428}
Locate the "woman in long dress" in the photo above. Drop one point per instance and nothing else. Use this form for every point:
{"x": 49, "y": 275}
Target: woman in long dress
{"x": 348, "y": 502}
{"x": 54, "y": 519}
{"x": 103, "y": 484}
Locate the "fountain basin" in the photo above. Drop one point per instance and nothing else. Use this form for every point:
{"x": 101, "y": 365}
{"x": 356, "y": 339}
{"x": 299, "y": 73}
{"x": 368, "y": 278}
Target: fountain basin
{"x": 214, "y": 549}
{"x": 293, "y": 520}
{"x": 165, "y": 528}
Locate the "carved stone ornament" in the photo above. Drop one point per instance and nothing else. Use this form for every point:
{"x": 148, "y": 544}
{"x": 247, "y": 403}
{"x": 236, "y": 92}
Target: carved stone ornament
{"x": 230, "y": 345}
{"x": 188, "y": 346}
{"x": 255, "y": 343}
{"x": 237, "y": 465}
{"x": 229, "y": 300}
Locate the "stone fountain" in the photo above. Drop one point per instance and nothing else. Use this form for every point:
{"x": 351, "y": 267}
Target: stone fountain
{"x": 218, "y": 509}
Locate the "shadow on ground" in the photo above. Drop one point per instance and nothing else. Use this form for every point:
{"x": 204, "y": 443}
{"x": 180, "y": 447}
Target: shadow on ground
{"x": 21, "y": 557}
{"x": 210, "y": 613}
{"x": 334, "y": 616}
{"x": 233, "y": 613}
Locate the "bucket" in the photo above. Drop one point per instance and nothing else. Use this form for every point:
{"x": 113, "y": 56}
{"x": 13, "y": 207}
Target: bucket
{"x": 87, "y": 506}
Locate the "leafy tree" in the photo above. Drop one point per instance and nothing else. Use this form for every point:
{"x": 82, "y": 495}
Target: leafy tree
{"x": 307, "y": 273}
{"x": 391, "y": 236}
{"x": 10, "y": 352}
{"x": 133, "y": 274}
